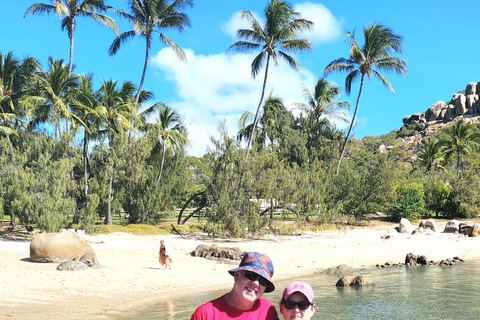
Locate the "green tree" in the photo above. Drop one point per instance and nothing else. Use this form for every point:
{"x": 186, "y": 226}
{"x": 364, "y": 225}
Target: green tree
{"x": 322, "y": 103}
{"x": 149, "y": 16}
{"x": 115, "y": 113}
{"x": 275, "y": 39}
{"x": 369, "y": 60}
{"x": 431, "y": 156}
{"x": 15, "y": 77}
{"x": 171, "y": 132}
{"x": 274, "y": 116}
{"x": 460, "y": 140}
{"x": 55, "y": 91}
{"x": 69, "y": 10}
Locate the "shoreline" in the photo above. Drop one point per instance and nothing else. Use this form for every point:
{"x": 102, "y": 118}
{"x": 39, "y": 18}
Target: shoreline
{"x": 131, "y": 278}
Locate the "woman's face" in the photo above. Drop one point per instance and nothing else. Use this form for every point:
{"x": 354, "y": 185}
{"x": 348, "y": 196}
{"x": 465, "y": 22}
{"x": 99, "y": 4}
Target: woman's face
{"x": 296, "y": 313}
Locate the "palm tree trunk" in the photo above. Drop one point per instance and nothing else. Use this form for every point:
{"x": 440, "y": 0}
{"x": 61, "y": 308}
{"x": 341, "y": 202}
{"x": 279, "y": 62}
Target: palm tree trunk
{"x": 351, "y": 124}
{"x": 145, "y": 64}
{"x": 108, "y": 215}
{"x": 255, "y": 120}
{"x": 85, "y": 161}
{"x": 161, "y": 165}
{"x": 72, "y": 32}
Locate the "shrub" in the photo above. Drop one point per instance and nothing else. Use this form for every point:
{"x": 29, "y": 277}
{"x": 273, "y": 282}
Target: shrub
{"x": 409, "y": 205}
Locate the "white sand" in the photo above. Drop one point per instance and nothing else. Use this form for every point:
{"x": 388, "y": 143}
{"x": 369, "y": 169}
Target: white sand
{"x": 132, "y": 279}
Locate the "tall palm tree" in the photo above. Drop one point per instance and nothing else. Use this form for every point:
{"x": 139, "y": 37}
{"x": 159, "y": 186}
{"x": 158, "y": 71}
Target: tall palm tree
{"x": 69, "y": 10}
{"x": 272, "y": 117}
{"x": 149, "y": 16}
{"x": 171, "y": 131}
{"x": 274, "y": 39}
{"x": 322, "y": 101}
{"x": 374, "y": 56}
{"x": 461, "y": 139}
{"x": 115, "y": 113}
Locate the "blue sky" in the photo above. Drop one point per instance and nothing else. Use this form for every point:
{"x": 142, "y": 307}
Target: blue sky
{"x": 441, "y": 47}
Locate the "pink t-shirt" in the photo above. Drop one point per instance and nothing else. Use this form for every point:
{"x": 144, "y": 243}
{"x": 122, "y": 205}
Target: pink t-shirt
{"x": 219, "y": 309}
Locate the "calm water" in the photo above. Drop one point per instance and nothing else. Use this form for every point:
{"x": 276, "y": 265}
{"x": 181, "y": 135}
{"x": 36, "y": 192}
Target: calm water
{"x": 400, "y": 293}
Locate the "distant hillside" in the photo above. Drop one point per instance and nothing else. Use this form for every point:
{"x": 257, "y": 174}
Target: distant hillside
{"x": 419, "y": 126}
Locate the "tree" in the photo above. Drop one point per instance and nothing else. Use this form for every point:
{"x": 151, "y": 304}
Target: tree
{"x": 369, "y": 60}
{"x": 273, "y": 117}
{"x": 69, "y": 10}
{"x": 147, "y": 16}
{"x": 170, "y": 130}
{"x": 15, "y": 77}
{"x": 431, "y": 155}
{"x": 460, "y": 140}
{"x": 55, "y": 91}
{"x": 115, "y": 113}
{"x": 277, "y": 37}
{"x": 322, "y": 103}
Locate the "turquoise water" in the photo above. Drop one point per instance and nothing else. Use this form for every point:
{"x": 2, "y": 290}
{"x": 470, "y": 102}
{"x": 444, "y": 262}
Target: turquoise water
{"x": 435, "y": 292}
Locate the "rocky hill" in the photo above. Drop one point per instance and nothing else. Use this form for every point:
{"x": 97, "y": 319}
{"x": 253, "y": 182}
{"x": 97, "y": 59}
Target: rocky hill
{"x": 464, "y": 104}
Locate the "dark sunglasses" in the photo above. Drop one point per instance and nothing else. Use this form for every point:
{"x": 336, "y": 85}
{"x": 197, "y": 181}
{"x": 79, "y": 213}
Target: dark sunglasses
{"x": 302, "y": 305}
{"x": 252, "y": 276}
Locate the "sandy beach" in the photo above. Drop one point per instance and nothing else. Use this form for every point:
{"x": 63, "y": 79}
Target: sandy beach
{"x": 131, "y": 278}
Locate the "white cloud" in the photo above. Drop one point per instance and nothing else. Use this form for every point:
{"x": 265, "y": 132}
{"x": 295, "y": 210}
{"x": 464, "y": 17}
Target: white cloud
{"x": 213, "y": 88}
{"x": 236, "y": 22}
{"x": 219, "y": 87}
{"x": 326, "y": 28}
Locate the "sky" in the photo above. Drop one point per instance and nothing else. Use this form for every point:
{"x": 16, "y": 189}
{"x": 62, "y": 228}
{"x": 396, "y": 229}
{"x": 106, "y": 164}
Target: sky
{"x": 441, "y": 46}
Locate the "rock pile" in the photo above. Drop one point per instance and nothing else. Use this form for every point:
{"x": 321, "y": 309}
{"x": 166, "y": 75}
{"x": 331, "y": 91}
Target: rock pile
{"x": 214, "y": 252}
{"x": 462, "y": 104}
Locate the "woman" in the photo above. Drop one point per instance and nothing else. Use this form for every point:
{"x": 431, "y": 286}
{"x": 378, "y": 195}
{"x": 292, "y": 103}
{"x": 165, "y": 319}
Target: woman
{"x": 298, "y": 301}
{"x": 163, "y": 256}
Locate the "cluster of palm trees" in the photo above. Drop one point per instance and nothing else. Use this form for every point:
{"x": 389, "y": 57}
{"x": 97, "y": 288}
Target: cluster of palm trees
{"x": 67, "y": 106}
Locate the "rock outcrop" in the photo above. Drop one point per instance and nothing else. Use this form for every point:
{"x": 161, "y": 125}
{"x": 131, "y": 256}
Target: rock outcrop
{"x": 461, "y": 104}
{"x": 354, "y": 280}
{"x": 215, "y": 252}
{"x": 60, "y": 247}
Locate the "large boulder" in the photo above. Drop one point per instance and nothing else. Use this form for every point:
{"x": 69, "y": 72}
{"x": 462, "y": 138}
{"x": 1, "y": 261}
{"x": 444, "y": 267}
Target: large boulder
{"x": 216, "y": 252}
{"x": 405, "y": 226}
{"x": 59, "y": 247}
{"x": 452, "y": 226}
{"x": 435, "y": 111}
{"x": 429, "y": 225}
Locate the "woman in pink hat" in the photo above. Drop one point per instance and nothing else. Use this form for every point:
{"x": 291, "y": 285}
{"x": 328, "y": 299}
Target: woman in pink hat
{"x": 251, "y": 279}
{"x": 298, "y": 301}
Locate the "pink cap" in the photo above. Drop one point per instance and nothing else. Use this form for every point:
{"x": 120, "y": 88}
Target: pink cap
{"x": 299, "y": 286}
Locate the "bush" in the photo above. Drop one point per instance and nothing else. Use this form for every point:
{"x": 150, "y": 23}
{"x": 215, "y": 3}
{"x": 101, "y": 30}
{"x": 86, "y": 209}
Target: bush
{"x": 409, "y": 205}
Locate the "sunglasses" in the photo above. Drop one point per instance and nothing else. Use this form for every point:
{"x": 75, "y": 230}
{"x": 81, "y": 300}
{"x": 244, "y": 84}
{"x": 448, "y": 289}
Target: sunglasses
{"x": 302, "y": 305}
{"x": 252, "y": 276}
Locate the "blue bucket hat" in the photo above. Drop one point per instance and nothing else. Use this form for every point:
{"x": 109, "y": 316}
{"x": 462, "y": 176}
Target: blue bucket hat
{"x": 258, "y": 263}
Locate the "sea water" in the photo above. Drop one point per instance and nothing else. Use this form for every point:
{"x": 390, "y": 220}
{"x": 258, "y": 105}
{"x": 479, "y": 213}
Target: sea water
{"x": 436, "y": 292}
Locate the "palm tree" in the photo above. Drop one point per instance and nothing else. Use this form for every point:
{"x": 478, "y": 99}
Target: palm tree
{"x": 115, "y": 113}
{"x": 147, "y": 16}
{"x": 460, "y": 140}
{"x": 431, "y": 155}
{"x": 69, "y": 10}
{"x": 56, "y": 89}
{"x": 277, "y": 36}
{"x": 15, "y": 77}
{"x": 271, "y": 119}
{"x": 369, "y": 60}
{"x": 322, "y": 101}
{"x": 170, "y": 130}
